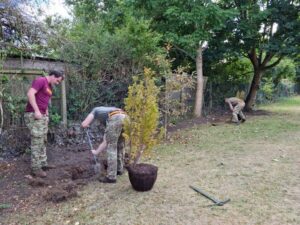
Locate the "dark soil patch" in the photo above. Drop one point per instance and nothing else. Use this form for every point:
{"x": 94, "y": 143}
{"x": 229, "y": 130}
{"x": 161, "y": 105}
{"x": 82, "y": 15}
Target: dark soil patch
{"x": 62, "y": 193}
{"x": 19, "y": 190}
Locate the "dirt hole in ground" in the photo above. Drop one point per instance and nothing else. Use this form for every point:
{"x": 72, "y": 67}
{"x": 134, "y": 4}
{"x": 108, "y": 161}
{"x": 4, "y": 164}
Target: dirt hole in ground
{"x": 81, "y": 172}
{"x": 20, "y": 190}
{"x": 62, "y": 193}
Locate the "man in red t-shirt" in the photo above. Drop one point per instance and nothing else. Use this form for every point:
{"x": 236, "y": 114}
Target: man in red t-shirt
{"x": 36, "y": 119}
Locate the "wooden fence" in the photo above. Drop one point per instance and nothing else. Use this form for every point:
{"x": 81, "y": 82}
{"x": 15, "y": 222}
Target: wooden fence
{"x": 16, "y": 76}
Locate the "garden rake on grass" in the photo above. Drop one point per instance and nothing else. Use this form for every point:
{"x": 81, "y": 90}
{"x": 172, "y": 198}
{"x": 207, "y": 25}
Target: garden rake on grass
{"x": 215, "y": 201}
{"x": 97, "y": 164}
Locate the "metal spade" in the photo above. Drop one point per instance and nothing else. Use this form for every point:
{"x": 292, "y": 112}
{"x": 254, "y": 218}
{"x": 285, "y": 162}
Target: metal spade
{"x": 215, "y": 201}
{"x": 97, "y": 164}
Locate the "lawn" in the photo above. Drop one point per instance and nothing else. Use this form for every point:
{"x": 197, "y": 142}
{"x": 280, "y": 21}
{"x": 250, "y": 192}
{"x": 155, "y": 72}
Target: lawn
{"x": 255, "y": 164}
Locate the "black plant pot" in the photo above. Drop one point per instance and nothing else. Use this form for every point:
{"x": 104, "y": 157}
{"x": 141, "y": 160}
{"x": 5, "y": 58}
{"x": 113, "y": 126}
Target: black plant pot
{"x": 142, "y": 176}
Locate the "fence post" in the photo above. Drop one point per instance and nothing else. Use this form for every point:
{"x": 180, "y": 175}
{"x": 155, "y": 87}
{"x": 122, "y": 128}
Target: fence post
{"x": 210, "y": 97}
{"x": 63, "y": 103}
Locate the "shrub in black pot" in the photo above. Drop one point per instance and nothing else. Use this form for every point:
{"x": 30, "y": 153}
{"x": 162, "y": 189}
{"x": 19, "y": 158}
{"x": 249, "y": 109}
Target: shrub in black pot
{"x": 140, "y": 129}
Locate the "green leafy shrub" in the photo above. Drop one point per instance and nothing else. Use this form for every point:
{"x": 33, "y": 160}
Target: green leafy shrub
{"x": 107, "y": 60}
{"x": 267, "y": 88}
{"x": 55, "y": 119}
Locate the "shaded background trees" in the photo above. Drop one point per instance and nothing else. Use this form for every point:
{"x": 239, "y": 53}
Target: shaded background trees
{"x": 252, "y": 44}
{"x": 264, "y": 31}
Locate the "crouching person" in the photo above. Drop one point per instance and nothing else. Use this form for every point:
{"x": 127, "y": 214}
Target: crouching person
{"x": 111, "y": 149}
{"x": 236, "y": 105}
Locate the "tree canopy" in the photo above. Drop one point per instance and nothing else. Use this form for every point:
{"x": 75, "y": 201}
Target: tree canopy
{"x": 264, "y": 31}
{"x": 22, "y": 33}
{"x": 114, "y": 40}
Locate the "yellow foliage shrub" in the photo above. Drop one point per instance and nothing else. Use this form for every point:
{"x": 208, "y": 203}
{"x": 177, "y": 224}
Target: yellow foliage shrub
{"x": 141, "y": 105}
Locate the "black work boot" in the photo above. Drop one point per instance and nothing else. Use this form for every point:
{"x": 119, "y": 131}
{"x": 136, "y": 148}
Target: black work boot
{"x": 120, "y": 173}
{"x": 48, "y": 167}
{"x": 106, "y": 180}
{"x": 39, "y": 173}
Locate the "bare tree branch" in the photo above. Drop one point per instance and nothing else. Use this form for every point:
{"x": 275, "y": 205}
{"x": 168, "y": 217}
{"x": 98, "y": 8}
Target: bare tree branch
{"x": 185, "y": 52}
{"x": 267, "y": 59}
{"x": 274, "y": 64}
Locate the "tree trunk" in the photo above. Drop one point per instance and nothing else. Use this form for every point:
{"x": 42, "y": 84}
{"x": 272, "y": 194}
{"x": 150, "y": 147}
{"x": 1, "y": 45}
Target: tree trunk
{"x": 1, "y": 117}
{"x": 251, "y": 97}
{"x": 260, "y": 65}
{"x": 199, "y": 90}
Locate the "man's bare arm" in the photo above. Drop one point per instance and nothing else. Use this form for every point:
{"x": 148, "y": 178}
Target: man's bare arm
{"x": 31, "y": 98}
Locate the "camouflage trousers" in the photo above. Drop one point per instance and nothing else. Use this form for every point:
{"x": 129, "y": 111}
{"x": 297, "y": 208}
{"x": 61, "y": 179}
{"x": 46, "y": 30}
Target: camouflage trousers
{"x": 237, "y": 110}
{"x": 114, "y": 154}
{"x": 38, "y": 131}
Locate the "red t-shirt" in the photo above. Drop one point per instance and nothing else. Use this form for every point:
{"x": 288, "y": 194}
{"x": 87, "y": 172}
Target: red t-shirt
{"x": 43, "y": 95}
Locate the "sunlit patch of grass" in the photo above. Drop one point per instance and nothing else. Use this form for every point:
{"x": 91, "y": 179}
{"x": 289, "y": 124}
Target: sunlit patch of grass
{"x": 291, "y": 105}
{"x": 261, "y": 127}
{"x": 230, "y": 136}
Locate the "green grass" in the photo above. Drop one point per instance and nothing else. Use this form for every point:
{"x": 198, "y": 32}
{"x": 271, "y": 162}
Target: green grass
{"x": 258, "y": 128}
{"x": 212, "y": 137}
{"x": 5, "y": 206}
{"x": 290, "y": 105}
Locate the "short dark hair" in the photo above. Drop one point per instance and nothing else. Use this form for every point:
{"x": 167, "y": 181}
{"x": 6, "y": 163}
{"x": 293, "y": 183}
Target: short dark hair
{"x": 56, "y": 73}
